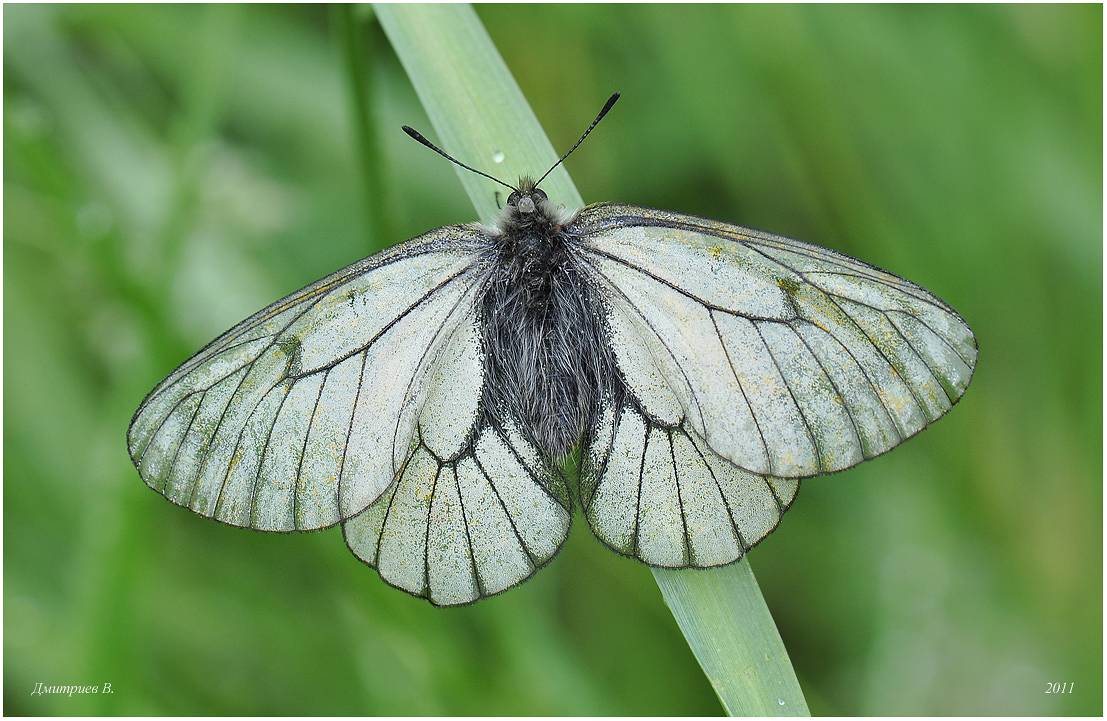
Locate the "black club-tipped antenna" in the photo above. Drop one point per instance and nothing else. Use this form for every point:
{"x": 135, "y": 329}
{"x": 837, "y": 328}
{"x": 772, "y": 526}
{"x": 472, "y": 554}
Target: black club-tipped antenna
{"x": 419, "y": 137}
{"x": 606, "y": 106}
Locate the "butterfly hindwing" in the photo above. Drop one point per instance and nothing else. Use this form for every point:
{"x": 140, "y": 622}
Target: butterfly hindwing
{"x": 787, "y": 359}
{"x": 299, "y": 416}
{"x": 475, "y": 510}
{"x": 655, "y": 491}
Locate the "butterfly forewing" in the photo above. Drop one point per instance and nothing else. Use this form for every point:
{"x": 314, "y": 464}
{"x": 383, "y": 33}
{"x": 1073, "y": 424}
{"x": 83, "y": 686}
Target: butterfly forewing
{"x": 787, "y": 359}
{"x": 299, "y": 416}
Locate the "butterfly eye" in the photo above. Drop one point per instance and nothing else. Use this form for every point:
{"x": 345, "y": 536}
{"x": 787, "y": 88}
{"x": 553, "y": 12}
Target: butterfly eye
{"x": 540, "y": 195}
{"x": 513, "y": 198}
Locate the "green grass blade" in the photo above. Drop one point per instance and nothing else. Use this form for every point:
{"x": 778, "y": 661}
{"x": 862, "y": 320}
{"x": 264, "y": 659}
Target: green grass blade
{"x": 723, "y": 616}
{"x": 478, "y": 113}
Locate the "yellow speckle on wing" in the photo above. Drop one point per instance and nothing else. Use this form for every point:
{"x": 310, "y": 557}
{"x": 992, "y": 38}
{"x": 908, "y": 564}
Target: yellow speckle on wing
{"x": 788, "y": 285}
{"x": 715, "y": 251}
{"x": 235, "y": 459}
{"x": 932, "y": 395}
{"x": 896, "y": 402}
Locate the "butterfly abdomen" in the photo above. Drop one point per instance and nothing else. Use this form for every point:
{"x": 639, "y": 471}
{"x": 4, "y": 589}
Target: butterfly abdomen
{"x": 546, "y": 358}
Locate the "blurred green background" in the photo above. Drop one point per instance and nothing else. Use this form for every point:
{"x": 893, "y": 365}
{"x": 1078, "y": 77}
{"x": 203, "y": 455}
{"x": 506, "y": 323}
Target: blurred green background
{"x": 169, "y": 170}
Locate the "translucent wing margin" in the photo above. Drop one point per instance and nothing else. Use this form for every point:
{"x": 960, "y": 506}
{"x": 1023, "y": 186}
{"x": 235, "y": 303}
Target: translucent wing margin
{"x": 475, "y": 509}
{"x": 301, "y": 415}
{"x": 787, "y": 359}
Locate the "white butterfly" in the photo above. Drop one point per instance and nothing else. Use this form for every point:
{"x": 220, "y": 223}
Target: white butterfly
{"x": 425, "y": 396}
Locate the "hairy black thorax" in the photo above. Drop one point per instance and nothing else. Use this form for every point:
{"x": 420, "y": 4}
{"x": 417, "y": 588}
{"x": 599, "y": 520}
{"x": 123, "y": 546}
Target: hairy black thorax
{"x": 547, "y": 362}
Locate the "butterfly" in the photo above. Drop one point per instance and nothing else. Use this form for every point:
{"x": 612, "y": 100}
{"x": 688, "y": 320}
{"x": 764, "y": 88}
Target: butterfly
{"x": 426, "y": 397}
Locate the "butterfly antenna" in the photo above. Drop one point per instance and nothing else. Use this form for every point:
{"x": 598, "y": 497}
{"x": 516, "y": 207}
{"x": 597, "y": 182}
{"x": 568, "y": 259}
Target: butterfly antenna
{"x": 606, "y": 106}
{"x": 419, "y": 137}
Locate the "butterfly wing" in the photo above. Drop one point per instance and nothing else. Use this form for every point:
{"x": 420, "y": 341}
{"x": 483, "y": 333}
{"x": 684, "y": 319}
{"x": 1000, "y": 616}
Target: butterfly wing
{"x": 476, "y": 510}
{"x": 652, "y": 489}
{"x": 787, "y": 359}
{"x": 300, "y": 416}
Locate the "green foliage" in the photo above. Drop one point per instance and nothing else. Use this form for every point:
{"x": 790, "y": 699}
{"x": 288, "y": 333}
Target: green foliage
{"x": 724, "y": 618}
{"x": 170, "y": 169}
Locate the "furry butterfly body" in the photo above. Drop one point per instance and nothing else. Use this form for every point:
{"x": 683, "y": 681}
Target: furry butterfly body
{"x": 544, "y": 333}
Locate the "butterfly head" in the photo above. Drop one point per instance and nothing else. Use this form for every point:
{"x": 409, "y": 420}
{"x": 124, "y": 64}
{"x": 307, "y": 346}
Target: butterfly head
{"x": 526, "y": 199}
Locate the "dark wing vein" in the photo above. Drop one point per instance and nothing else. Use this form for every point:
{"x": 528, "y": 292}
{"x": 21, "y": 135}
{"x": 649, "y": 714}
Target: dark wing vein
{"x": 599, "y": 472}
{"x": 686, "y": 293}
{"x": 531, "y": 558}
{"x": 641, "y": 471}
{"x": 864, "y": 372}
{"x": 687, "y": 558}
{"x": 426, "y": 536}
{"x": 519, "y": 459}
{"x": 349, "y": 432}
{"x": 792, "y": 395}
{"x": 834, "y": 385}
{"x": 953, "y": 349}
{"x": 418, "y": 366}
{"x": 481, "y": 591}
{"x": 733, "y": 372}
{"x": 388, "y": 326}
{"x": 184, "y": 436}
{"x": 398, "y": 483}
{"x": 922, "y": 359}
{"x": 303, "y": 451}
{"x": 733, "y": 522}
{"x": 264, "y": 452}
